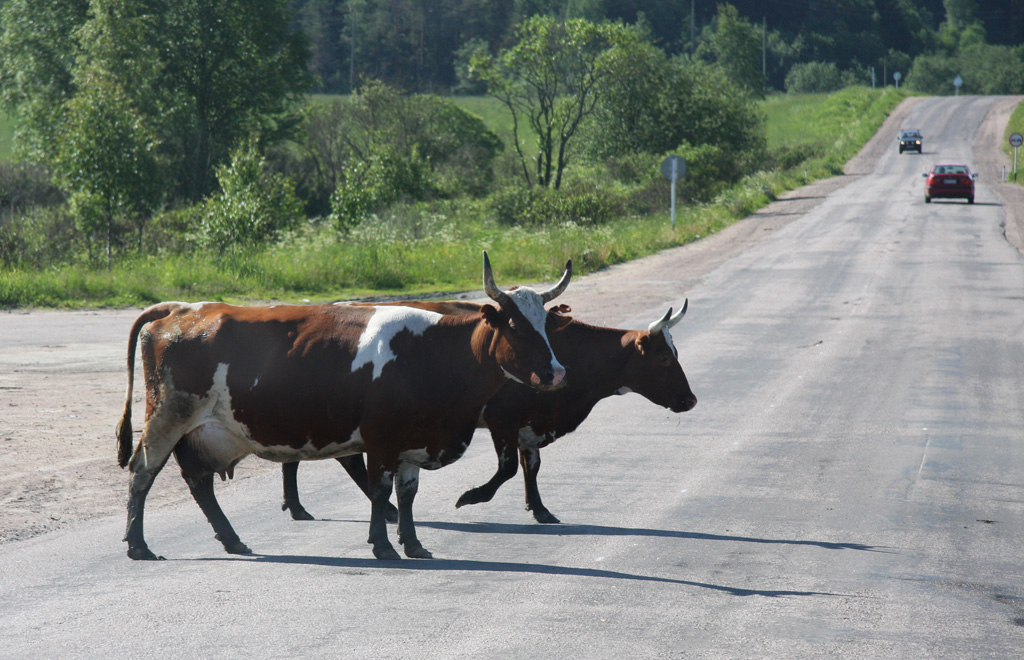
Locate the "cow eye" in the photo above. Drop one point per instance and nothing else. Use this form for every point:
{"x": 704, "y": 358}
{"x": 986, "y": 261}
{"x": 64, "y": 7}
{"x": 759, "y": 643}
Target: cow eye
{"x": 512, "y": 326}
{"x": 666, "y": 361}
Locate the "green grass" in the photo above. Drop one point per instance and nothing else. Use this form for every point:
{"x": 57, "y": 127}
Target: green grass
{"x": 1015, "y": 125}
{"x": 787, "y": 117}
{"x": 438, "y": 250}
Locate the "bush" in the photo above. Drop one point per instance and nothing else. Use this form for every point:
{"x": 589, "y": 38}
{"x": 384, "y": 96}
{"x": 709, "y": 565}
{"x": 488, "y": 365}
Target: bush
{"x": 813, "y": 78}
{"x": 537, "y": 206}
{"x": 253, "y": 206}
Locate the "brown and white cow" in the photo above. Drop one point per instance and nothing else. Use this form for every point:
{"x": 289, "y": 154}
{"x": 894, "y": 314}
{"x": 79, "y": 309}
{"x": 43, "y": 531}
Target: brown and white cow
{"x": 404, "y": 385}
{"x": 602, "y": 361}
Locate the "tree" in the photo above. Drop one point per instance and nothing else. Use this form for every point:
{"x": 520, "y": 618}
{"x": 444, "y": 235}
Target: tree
{"x": 549, "y": 79}
{"x": 234, "y": 67}
{"x": 105, "y": 145}
{"x": 106, "y": 160}
{"x": 37, "y": 53}
{"x": 735, "y": 46}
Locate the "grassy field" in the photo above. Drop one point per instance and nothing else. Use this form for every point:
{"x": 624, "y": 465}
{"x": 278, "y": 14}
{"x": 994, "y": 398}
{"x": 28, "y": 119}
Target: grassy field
{"x": 787, "y": 117}
{"x": 437, "y": 250}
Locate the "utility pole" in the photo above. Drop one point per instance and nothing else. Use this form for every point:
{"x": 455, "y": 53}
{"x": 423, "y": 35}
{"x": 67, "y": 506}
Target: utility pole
{"x": 764, "y": 53}
{"x": 693, "y": 29}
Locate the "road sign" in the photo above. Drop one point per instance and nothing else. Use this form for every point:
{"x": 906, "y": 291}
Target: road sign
{"x": 673, "y": 167}
{"x": 956, "y": 83}
{"x": 1016, "y": 140}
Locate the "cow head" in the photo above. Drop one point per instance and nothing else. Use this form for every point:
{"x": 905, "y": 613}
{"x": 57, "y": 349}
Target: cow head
{"x": 653, "y": 370}
{"x": 520, "y": 342}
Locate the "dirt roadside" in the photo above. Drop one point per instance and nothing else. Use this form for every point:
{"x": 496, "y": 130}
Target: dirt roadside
{"x": 62, "y": 378}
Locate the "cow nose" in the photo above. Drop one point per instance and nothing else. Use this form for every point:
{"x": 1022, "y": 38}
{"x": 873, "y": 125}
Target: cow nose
{"x": 550, "y": 379}
{"x": 689, "y": 403}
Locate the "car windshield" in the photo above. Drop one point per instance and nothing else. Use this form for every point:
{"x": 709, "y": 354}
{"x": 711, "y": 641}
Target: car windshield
{"x": 910, "y": 134}
{"x": 950, "y": 169}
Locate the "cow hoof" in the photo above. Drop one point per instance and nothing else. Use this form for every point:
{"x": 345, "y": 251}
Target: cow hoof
{"x": 144, "y": 554}
{"x": 417, "y": 552}
{"x": 388, "y": 553}
{"x": 469, "y": 497}
{"x": 546, "y": 517}
{"x": 235, "y": 547}
{"x": 298, "y": 513}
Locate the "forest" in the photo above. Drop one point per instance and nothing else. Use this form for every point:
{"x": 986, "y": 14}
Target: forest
{"x": 420, "y": 46}
{"x": 178, "y": 148}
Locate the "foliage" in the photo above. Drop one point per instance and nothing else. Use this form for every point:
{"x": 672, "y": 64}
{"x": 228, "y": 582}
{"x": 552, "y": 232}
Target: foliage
{"x": 417, "y": 146}
{"x": 253, "y": 207}
{"x": 551, "y": 79}
{"x": 813, "y": 78}
{"x": 984, "y": 69}
{"x": 37, "y": 53}
{"x": 200, "y": 75}
{"x": 657, "y": 105}
{"x": 734, "y": 45}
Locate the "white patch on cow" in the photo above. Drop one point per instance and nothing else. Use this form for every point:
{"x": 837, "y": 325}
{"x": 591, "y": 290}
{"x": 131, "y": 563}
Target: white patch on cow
{"x": 623, "y": 390}
{"x": 353, "y": 445}
{"x": 386, "y": 322}
{"x": 529, "y": 439}
{"x": 255, "y": 383}
{"x": 531, "y": 306}
{"x": 420, "y": 458}
{"x": 668, "y": 340}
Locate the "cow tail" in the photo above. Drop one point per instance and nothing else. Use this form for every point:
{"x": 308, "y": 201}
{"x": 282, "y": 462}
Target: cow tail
{"x": 124, "y": 427}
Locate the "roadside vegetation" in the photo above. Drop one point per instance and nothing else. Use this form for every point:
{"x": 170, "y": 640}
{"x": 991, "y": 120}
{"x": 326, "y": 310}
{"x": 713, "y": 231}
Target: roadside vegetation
{"x": 1015, "y": 125}
{"x": 174, "y": 155}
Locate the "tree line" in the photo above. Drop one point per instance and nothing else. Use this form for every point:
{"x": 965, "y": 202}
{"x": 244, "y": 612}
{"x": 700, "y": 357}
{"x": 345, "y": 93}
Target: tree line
{"x": 422, "y": 46}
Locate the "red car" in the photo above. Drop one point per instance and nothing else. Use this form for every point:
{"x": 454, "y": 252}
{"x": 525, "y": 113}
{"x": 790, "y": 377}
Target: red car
{"x": 949, "y": 181}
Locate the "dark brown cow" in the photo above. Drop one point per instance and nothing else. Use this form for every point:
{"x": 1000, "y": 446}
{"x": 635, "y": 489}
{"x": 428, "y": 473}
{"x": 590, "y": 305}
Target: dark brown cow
{"x": 602, "y": 361}
{"x": 406, "y": 386}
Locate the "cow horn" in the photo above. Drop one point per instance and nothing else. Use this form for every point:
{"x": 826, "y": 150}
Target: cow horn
{"x": 668, "y": 320}
{"x": 680, "y": 314}
{"x": 555, "y": 291}
{"x": 492, "y": 290}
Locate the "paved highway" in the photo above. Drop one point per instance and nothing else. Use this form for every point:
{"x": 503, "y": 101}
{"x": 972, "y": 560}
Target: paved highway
{"x": 850, "y": 484}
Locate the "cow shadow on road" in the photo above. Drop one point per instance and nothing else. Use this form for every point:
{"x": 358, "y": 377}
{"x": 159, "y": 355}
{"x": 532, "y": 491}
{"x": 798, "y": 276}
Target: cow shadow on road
{"x": 603, "y": 530}
{"x": 466, "y": 565}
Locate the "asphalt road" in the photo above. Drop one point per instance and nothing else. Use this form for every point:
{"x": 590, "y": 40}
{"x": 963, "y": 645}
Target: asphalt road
{"x": 850, "y": 484}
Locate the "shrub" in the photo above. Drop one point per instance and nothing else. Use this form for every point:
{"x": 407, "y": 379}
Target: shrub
{"x": 813, "y": 78}
{"x": 253, "y": 206}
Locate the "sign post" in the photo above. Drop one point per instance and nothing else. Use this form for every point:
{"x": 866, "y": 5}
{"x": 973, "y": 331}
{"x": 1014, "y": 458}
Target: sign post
{"x": 1015, "y": 141}
{"x": 672, "y": 168}
{"x": 956, "y": 83}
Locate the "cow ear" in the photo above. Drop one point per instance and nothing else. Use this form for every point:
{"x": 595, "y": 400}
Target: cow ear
{"x": 491, "y": 315}
{"x": 643, "y": 343}
{"x": 560, "y": 309}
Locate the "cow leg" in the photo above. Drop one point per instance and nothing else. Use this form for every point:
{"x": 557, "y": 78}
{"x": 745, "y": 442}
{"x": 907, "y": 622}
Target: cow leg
{"x": 507, "y": 450}
{"x": 407, "y": 483}
{"x": 356, "y": 468}
{"x": 199, "y": 478}
{"x": 139, "y": 483}
{"x": 291, "y": 504}
{"x": 383, "y": 481}
{"x": 530, "y": 458}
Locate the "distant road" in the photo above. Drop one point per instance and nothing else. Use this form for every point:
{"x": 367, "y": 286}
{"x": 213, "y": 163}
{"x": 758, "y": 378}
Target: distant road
{"x": 850, "y": 484}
